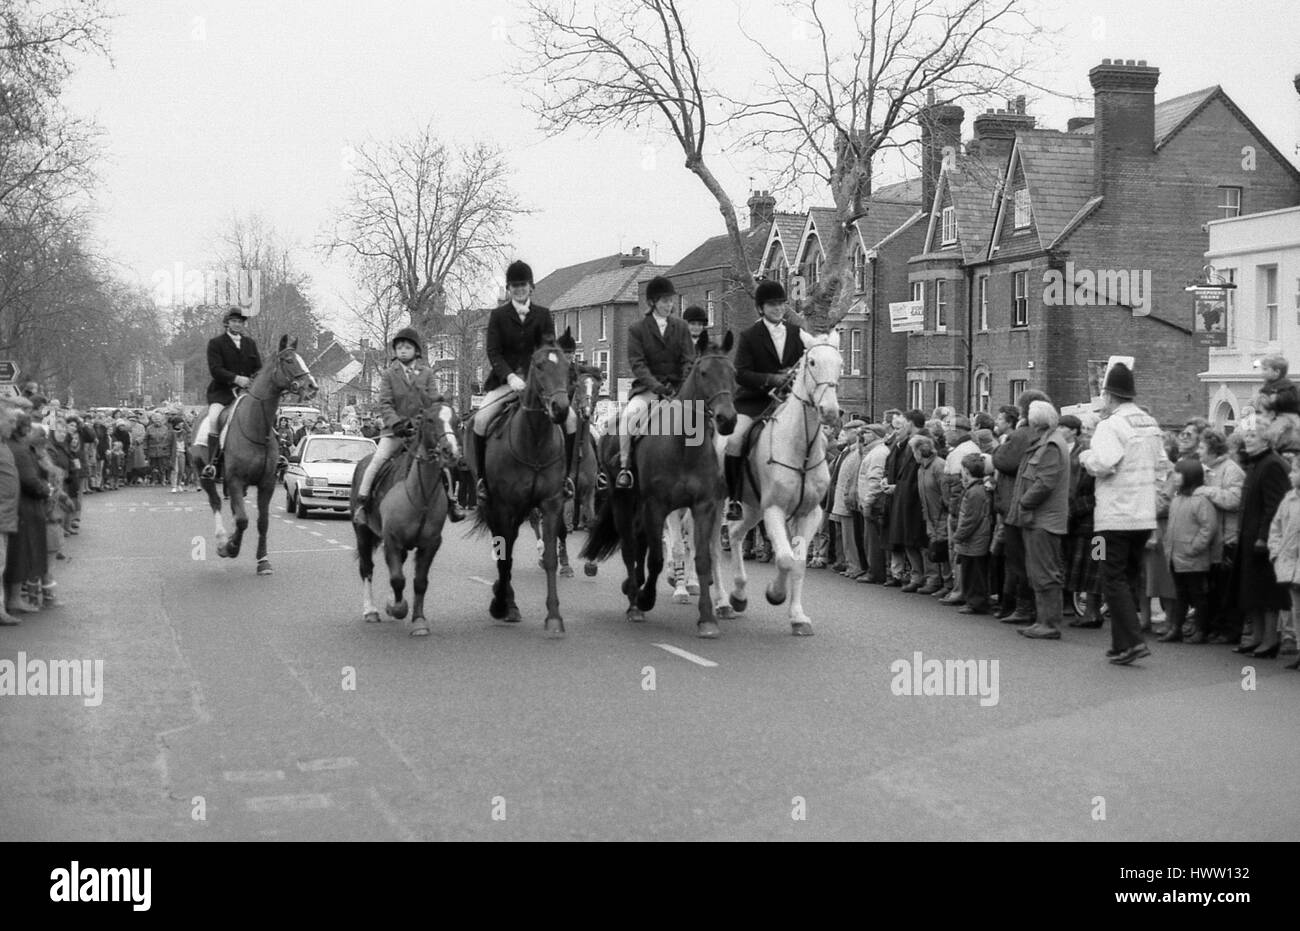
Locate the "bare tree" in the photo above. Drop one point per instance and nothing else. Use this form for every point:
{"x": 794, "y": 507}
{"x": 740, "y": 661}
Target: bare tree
{"x": 423, "y": 218}
{"x": 251, "y": 244}
{"x": 879, "y": 64}
{"x": 617, "y": 65}
{"x": 379, "y": 309}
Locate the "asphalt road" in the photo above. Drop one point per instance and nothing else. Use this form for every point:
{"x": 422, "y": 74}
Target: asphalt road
{"x": 227, "y": 715}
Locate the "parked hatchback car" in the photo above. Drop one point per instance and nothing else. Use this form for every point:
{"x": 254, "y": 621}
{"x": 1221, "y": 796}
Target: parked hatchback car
{"x": 320, "y": 470}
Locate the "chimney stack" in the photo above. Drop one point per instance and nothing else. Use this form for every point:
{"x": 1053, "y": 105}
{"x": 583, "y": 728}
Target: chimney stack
{"x": 1076, "y": 123}
{"x": 639, "y": 256}
{"x": 940, "y": 130}
{"x": 762, "y": 207}
{"x": 1124, "y": 94}
{"x": 995, "y": 131}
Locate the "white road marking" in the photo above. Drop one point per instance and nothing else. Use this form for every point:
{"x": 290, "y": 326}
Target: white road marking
{"x": 303, "y": 802}
{"x": 395, "y": 822}
{"x": 326, "y": 763}
{"x": 678, "y": 651}
{"x": 316, "y": 533}
{"x": 476, "y": 578}
{"x": 335, "y": 542}
{"x": 319, "y": 549}
{"x": 253, "y": 775}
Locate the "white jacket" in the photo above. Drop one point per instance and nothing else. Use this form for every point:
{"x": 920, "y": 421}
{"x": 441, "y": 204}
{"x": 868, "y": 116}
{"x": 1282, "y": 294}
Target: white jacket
{"x": 871, "y": 474}
{"x": 848, "y": 473}
{"x": 1126, "y": 456}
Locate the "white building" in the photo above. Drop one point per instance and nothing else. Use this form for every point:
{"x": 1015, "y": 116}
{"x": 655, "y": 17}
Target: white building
{"x": 1260, "y": 254}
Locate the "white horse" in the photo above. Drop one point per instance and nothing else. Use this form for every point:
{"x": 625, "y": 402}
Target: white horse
{"x": 679, "y": 543}
{"x": 788, "y": 461}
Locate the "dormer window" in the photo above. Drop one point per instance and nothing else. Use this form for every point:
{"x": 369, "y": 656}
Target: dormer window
{"x": 1023, "y": 213}
{"x": 859, "y": 270}
{"x": 948, "y": 226}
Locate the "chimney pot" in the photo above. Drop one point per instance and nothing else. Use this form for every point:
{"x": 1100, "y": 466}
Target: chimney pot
{"x": 1142, "y": 63}
{"x": 1130, "y": 63}
{"x": 1105, "y": 61}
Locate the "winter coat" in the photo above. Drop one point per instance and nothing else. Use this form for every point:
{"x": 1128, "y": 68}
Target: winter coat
{"x": 757, "y": 365}
{"x": 226, "y": 361}
{"x": 510, "y": 344}
{"x": 405, "y": 398}
{"x": 1006, "y": 460}
{"x": 1265, "y": 486}
{"x": 1126, "y": 449}
{"x": 906, "y": 522}
{"x": 1193, "y": 541}
{"x": 954, "y": 488}
{"x": 1223, "y": 484}
{"x": 974, "y": 531}
{"x": 1280, "y": 396}
{"x": 930, "y": 487}
{"x": 849, "y": 464}
{"x": 870, "y": 474}
{"x": 1284, "y": 540}
{"x": 28, "y": 554}
{"x": 1040, "y": 499}
{"x": 157, "y": 441}
{"x": 658, "y": 362}
{"x": 9, "y": 490}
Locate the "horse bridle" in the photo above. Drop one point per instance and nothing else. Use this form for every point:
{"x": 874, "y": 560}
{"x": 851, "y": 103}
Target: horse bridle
{"x": 422, "y": 453}
{"x": 708, "y": 403}
{"x": 815, "y": 400}
{"x": 550, "y": 398}
{"x": 295, "y": 378}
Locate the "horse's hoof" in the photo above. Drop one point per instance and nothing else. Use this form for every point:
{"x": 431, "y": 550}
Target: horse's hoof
{"x": 223, "y": 551}
{"x": 707, "y": 630}
{"x": 645, "y": 599}
{"x": 541, "y": 564}
{"x": 801, "y": 628}
{"x": 773, "y": 596}
{"x": 692, "y": 588}
{"x": 635, "y": 615}
{"x": 629, "y": 587}
{"x": 681, "y": 597}
{"x": 723, "y": 611}
{"x": 512, "y": 614}
{"x": 372, "y": 617}
{"x": 566, "y": 572}
{"x": 589, "y": 569}
{"x": 421, "y": 628}
{"x": 555, "y": 627}
{"x": 738, "y": 604}
{"x": 398, "y": 610}
{"x": 264, "y": 567}
{"x": 497, "y": 609}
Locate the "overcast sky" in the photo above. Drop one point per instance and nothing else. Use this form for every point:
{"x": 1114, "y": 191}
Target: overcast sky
{"x": 210, "y": 108}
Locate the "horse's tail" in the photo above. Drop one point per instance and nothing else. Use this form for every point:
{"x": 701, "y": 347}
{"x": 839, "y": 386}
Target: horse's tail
{"x": 602, "y": 539}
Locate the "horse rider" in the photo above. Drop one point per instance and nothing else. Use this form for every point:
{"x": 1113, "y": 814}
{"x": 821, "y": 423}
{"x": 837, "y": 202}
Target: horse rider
{"x": 659, "y": 350}
{"x": 406, "y": 387}
{"x": 233, "y": 361}
{"x": 577, "y": 369}
{"x": 766, "y": 356}
{"x": 514, "y": 331}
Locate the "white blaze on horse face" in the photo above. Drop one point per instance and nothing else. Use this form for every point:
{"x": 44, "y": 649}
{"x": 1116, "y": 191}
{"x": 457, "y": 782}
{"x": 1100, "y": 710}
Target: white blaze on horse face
{"x": 550, "y": 357}
{"x": 444, "y": 415}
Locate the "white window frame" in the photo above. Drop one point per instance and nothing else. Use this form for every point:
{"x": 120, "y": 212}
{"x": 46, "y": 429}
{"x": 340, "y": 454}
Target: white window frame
{"x": 941, "y": 306}
{"x": 1023, "y": 213}
{"x": 948, "y": 226}
{"x": 984, "y": 303}
{"x": 577, "y": 330}
{"x": 983, "y": 392}
{"x": 604, "y": 323}
{"x": 1230, "y": 201}
{"x": 918, "y": 290}
{"x": 915, "y": 394}
{"x": 855, "y": 351}
{"x": 1230, "y": 323}
{"x": 1268, "y": 291}
{"x": 1020, "y": 298}
{"x": 859, "y": 270}
{"x": 708, "y": 305}
{"x": 940, "y": 394}
{"x": 602, "y": 357}
{"x": 1017, "y": 391}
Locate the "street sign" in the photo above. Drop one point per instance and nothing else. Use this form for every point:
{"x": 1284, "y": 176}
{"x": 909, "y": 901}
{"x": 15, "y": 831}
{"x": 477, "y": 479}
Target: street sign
{"x": 8, "y": 373}
{"x": 8, "y": 391}
{"x": 906, "y": 317}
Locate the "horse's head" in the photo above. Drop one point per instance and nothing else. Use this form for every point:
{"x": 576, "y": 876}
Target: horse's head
{"x": 714, "y": 377}
{"x": 585, "y": 394}
{"x": 818, "y": 379}
{"x": 548, "y": 381}
{"x": 437, "y": 435}
{"x": 290, "y": 373}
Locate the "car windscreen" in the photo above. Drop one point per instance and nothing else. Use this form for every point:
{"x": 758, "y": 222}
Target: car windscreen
{"x": 337, "y": 450}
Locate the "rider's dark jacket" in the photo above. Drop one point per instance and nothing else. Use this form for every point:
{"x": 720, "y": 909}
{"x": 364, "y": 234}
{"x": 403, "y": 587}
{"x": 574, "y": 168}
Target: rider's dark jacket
{"x": 659, "y": 360}
{"x": 510, "y": 344}
{"x": 757, "y": 365}
{"x": 405, "y": 391}
{"x": 226, "y": 360}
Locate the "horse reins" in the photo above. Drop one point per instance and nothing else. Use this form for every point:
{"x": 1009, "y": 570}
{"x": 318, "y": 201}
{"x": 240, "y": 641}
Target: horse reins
{"x": 808, "y": 403}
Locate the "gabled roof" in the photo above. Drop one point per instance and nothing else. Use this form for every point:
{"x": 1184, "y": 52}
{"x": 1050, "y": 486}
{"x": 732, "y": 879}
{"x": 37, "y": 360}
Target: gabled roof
{"x": 903, "y": 192}
{"x": 1058, "y": 174}
{"x": 618, "y": 286}
{"x": 715, "y": 252}
{"x": 787, "y": 230}
{"x": 972, "y": 186}
{"x": 883, "y": 220}
{"x": 820, "y": 219}
{"x": 549, "y": 289}
{"x": 1170, "y": 115}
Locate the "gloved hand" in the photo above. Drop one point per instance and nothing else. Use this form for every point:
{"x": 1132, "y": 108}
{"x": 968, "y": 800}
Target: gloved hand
{"x": 663, "y": 391}
{"x": 516, "y": 383}
{"x": 404, "y": 428}
{"x": 243, "y": 381}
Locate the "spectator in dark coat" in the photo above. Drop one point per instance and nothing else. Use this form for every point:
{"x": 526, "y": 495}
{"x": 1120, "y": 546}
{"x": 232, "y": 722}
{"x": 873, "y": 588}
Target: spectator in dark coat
{"x": 1040, "y": 513}
{"x": 1259, "y": 595}
{"x": 972, "y": 536}
{"x": 906, "y": 522}
{"x": 26, "y": 559}
{"x": 9, "y": 492}
{"x": 1008, "y": 458}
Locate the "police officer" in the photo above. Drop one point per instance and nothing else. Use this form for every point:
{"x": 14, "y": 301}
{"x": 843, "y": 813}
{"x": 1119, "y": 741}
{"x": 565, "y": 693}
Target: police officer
{"x": 233, "y": 361}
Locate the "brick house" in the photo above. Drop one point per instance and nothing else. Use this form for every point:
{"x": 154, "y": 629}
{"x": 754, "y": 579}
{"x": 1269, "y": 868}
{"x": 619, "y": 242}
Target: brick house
{"x": 1089, "y": 247}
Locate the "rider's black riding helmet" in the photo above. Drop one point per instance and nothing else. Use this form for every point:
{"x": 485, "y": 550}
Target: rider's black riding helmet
{"x": 411, "y": 336}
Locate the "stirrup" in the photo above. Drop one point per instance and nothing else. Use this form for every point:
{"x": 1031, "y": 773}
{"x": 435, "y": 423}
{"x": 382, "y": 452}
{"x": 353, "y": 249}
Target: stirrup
{"x": 624, "y": 479}
{"x": 569, "y": 490}
{"x": 481, "y": 490}
{"x": 734, "y": 510}
{"x": 209, "y": 472}
{"x": 602, "y": 481}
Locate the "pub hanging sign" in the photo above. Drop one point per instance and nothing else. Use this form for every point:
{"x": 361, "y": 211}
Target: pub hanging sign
{"x": 1210, "y": 308}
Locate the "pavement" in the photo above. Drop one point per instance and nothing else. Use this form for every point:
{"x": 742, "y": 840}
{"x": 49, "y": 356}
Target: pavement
{"x": 239, "y": 707}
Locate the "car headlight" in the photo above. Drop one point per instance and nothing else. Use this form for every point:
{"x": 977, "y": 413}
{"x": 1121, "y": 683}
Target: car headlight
{"x": 317, "y": 480}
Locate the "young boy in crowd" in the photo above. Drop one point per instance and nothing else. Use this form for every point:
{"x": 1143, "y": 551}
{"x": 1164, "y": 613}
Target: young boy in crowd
{"x": 1194, "y": 544}
{"x": 1284, "y": 544}
{"x": 973, "y": 536}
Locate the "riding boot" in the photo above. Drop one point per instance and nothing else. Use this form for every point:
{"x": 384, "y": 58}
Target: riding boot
{"x": 213, "y": 468}
{"x": 480, "y": 456}
{"x": 733, "y": 471}
{"x": 454, "y": 512}
{"x": 361, "y": 516}
{"x": 570, "y": 440}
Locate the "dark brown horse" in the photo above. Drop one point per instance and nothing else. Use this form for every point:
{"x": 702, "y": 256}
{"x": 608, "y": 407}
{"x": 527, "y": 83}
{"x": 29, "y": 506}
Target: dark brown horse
{"x": 252, "y": 451}
{"x": 524, "y": 469}
{"x": 675, "y": 467}
{"x": 410, "y": 511}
